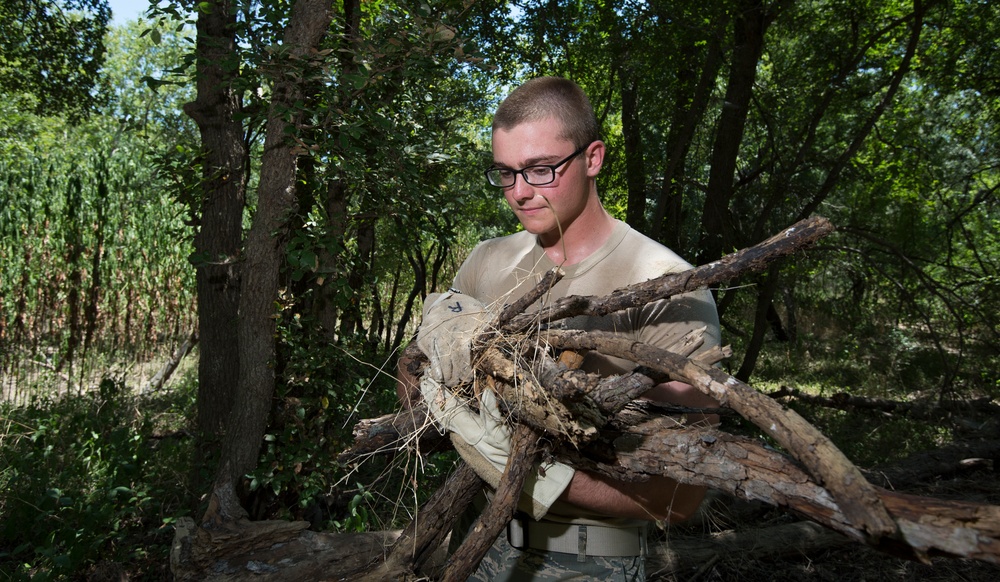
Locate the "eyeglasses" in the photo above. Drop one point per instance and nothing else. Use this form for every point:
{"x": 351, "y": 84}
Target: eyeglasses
{"x": 537, "y": 175}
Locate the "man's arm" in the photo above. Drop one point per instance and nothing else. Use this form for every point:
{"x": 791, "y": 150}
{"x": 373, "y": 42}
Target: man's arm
{"x": 658, "y": 498}
{"x": 681, "y": 394}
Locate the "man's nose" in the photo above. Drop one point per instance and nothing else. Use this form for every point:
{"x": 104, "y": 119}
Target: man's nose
{"x": 521, "y": 190}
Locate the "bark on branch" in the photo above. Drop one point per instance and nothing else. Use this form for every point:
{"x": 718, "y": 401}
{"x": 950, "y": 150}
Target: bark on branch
{"x": 789, "y": 241}
{"x": 856, "y": 497}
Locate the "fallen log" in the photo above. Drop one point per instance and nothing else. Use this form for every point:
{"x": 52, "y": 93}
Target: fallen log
{"x": 345, "y": 554}
{"x": 270, "y": 550}
{"x": 925, "y": 409}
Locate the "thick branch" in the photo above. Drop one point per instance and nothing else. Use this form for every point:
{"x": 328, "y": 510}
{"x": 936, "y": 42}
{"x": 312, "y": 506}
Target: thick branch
{"x": 382, "y": 435}
{"x": 811, "y": 447}
{"x": 745, "y": 468}
{"x": 524, "y": 452}
{"x": 428, "y": 530}
{"x": 161, "y": 377}
{"x": 791, "y": 240}
{"x": 924, "y": 409}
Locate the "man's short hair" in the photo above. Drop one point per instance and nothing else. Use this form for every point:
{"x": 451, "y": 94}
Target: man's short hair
{"x": 544, "y": 97}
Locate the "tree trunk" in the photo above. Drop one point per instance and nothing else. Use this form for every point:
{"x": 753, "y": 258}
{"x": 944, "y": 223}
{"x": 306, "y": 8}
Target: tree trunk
{"x": 751, "y": 22}
{"x": 265, "y": 250}
{"x": 220, "y": 229}
{"x": 668, "y": 214}
{"x": 766, "y": 287}
{"x": 635, "y": 171}
{"x": 325, "y": 307}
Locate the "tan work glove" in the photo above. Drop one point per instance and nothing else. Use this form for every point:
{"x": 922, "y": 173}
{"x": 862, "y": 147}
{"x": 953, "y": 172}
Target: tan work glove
{"x": 483, "y": 440}
{"x": 451, "y": 322}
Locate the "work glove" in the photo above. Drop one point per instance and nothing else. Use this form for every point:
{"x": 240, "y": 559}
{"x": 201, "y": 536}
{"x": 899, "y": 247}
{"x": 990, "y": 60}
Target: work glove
{"x": 483, "y": 440}
{"x": 451, "y": 322}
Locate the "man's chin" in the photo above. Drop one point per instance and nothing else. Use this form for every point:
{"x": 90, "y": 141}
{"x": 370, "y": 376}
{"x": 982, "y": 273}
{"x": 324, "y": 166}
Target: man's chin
{"x": 535, "y": 224}
{"x": 537, "y": 229}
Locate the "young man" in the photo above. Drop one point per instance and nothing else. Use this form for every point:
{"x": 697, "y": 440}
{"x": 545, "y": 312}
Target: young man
{"x": 547, "y": 154}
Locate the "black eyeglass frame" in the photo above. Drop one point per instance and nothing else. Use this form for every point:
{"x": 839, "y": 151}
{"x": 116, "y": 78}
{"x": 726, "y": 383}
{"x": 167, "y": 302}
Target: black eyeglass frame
{"x": 551, "y": 167}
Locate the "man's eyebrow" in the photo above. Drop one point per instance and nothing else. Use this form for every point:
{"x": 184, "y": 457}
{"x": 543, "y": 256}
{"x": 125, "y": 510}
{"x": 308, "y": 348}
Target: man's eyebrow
{"x": 535, "y": 161}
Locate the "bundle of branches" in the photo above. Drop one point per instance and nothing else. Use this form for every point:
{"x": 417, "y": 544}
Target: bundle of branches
{"x": 594, "y": 423}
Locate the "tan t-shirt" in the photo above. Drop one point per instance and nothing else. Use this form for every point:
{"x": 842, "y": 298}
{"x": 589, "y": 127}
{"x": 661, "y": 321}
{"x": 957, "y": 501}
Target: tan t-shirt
{"x": 500, "y": 270}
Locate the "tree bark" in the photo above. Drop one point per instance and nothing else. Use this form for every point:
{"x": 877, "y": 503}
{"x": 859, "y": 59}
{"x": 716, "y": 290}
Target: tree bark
{"x": 791, "y": 240}
{"x": 263, "y": 258}
{"x": 275, "y": 551}
{"x": 635, "y": 171}
{"x": 220, "y": 229}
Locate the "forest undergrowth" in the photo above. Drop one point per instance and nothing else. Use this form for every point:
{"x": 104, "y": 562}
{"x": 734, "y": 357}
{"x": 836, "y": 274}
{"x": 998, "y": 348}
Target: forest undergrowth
{"x": 92, "y": 483}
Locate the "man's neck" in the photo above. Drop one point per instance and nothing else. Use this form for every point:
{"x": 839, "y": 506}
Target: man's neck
{"x": 580, "y": 239}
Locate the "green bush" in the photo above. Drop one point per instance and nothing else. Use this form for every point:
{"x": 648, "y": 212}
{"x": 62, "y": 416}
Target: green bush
{"x": 85, "y": 481}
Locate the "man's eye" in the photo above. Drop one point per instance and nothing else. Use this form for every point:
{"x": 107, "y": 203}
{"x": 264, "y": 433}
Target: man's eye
{"x": 504, "y": 174}
{"x": 541, "y": 172}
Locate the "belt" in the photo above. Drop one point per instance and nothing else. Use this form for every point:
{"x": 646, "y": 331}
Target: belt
{"x": 582, "y": 540}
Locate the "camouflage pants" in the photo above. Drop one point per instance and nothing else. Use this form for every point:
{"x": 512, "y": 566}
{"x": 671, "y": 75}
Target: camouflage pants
{"x": 504, "y": 563}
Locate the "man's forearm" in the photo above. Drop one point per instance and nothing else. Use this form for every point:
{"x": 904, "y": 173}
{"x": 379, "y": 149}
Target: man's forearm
{"x": 681, "y": 394}
{"x": 657, "y": 499}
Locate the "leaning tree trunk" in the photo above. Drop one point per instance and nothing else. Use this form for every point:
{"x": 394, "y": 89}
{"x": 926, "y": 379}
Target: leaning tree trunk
{"x": 751, "y": 22}
{"x": 263, "y": 256}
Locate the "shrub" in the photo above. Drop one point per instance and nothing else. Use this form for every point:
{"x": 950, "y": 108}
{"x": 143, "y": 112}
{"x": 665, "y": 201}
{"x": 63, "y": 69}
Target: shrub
{"x": 86, "y": 482}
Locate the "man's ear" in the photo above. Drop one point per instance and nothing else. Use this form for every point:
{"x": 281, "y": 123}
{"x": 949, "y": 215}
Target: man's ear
{"x": 594, "y": 155}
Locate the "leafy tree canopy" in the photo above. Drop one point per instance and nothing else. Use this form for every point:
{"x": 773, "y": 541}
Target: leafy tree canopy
{"x": 53, "y": 51}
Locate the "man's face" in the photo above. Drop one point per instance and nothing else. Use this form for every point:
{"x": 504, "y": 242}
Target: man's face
{"x": 539, "y": 207}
